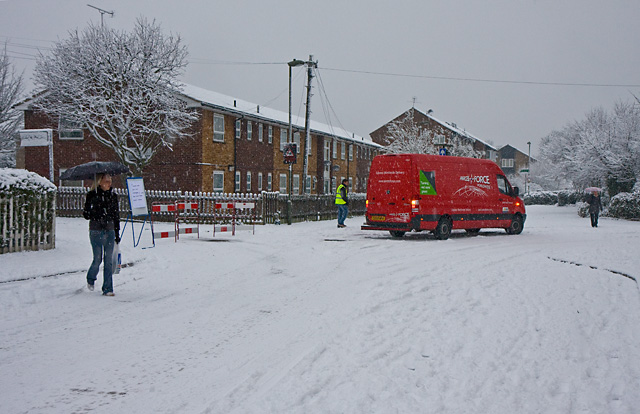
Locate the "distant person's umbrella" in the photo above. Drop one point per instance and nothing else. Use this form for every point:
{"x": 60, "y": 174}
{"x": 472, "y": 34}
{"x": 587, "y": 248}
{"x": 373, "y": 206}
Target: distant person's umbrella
{"x": 593, "y": 190}
{"x": 89, "y": 170}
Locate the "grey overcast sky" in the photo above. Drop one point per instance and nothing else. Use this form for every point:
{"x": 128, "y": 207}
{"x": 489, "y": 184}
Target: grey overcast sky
{"x": 507, "y": 71}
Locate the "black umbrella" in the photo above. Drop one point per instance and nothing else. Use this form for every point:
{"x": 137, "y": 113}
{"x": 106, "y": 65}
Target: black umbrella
{"x": 89, "y": 170}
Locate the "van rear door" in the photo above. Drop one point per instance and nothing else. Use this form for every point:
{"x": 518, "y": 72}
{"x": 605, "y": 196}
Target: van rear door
{"x": 389, "y": 191}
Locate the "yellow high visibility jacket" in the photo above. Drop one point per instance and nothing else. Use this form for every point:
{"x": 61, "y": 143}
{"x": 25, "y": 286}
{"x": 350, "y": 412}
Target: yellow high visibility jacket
{"x": 339, "y": 199}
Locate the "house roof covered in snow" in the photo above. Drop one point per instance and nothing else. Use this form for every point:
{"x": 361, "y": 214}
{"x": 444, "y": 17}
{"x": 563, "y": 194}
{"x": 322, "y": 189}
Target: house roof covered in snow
{"x": 227, "y": 103}
{"x": 454, "y": 128}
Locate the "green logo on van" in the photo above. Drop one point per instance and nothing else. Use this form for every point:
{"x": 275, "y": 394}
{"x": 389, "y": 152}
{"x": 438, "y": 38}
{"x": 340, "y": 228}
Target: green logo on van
{"x": 428, "y": 183}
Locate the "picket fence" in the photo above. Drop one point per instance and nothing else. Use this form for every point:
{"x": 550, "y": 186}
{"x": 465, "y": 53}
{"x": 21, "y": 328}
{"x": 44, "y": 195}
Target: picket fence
{"x": 271, "y": 207}
{"x": 27, "y": 222}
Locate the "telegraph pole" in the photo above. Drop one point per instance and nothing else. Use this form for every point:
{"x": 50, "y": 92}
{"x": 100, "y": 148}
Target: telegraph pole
{"x": 102, "y": 13}
{"x": 307, "y": 123}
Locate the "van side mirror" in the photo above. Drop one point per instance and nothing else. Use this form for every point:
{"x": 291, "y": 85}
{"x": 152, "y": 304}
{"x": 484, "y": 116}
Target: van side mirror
{"x": 516, "y": 191}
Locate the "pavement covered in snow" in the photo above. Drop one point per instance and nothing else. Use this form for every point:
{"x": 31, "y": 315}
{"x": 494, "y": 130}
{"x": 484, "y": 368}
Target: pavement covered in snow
{"x": 309, "y": 318}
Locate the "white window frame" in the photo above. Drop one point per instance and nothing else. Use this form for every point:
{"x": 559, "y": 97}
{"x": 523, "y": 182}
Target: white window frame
{"x": 283, "y": 179}
{"x": 68, "y": 130}
{"x": 270, "y": 134}
{"x": 295, "y": 184}
{"x": 248, "y": 181}
{"x": 260, "y": 132}
{"x": 218, "y": 133}
{"x": 296, "y": 140}
{"x": 309, "y": 183}
{"x": 238, "y": 128}
{"x": 343, "y": 148}
{"x": 259, "y": 182}
{"x": 507, "y": 163}
{"x": 269, "y": 182}
{"x": 238, "y": 180}
{"x": 350, "y": 152}
{"x": 327, "y": 150}
{"x": 283, "y": 138}
{"x": 335, "y": 149}
{"x": 249, "y": 130}
{"x": 218, "y": 174}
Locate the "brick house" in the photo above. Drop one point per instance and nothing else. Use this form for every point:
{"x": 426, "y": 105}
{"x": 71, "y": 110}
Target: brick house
{"x": 447, "y": 133}
{"x": 235, "y": 146}
{"x": 512, "y": 160}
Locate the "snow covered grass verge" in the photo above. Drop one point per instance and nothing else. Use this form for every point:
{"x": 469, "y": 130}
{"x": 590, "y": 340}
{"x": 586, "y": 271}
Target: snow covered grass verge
{"x": 309, "y": 318}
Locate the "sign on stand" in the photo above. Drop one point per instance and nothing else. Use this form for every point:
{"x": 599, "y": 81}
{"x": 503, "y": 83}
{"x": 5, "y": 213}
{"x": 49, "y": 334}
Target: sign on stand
{"x": 138, "y": 206}
{"x": 39, "y": 138}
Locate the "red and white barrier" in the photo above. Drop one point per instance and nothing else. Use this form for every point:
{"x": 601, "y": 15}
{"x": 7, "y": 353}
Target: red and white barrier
{"x": 233, "y": 227}
{"x": 176, "y": 208}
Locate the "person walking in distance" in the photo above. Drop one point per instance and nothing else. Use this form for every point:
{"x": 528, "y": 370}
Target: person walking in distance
{"x": 595, "y": 206}
{"x": 342, "y": 201}
{"x": 102, "y": 211}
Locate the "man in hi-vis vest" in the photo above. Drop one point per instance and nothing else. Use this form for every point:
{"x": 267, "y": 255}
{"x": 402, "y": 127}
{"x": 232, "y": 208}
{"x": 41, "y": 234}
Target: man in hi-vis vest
{"x": 343, "y": 202}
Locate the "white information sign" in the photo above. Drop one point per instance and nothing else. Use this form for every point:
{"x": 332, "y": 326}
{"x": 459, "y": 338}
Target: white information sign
{"x": 35, "y": 137}
{"x": 137, "y": 197}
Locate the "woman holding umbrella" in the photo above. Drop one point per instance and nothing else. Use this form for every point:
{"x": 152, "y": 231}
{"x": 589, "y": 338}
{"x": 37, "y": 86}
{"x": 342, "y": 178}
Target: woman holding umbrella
{"x": 102, "y": 211}
{"x": 595, "y": 204}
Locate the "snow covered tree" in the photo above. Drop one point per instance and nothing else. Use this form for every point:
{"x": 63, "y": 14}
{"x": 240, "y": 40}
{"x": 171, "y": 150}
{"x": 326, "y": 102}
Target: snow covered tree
{"x": 406, "y": 136}
{"x": 10, "y": 118}
{"x": 122, "y": 87}
{"x": 601, "y": 150}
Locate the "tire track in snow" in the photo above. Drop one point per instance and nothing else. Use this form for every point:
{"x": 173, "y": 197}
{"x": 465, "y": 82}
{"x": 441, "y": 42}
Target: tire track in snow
{"x": 615, "y": 272}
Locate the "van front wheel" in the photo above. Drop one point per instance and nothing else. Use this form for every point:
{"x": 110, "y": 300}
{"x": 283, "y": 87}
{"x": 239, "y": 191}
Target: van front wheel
{"x": 396, "y": 233}
{"x": 443, "y": 229}
{"x": 517, "y": 224}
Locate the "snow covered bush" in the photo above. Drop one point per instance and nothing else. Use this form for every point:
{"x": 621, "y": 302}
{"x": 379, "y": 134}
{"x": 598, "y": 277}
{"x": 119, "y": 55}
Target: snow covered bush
{"x": 27, "y": 211}
{"x": 625, "y": 206}
{"x": 583, "y": 209}
{"x": 569, "y": 197}
{"x": 547, "y": 198}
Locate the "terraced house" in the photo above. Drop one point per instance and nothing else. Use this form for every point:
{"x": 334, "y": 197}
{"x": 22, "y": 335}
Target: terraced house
{"x": 235, "y": 146}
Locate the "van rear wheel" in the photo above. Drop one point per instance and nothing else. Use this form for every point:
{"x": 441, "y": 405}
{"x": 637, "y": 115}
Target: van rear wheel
{"x": 516, "y": 226}
{"x": 443, "y": 229}
{"x": 396, "y": 233}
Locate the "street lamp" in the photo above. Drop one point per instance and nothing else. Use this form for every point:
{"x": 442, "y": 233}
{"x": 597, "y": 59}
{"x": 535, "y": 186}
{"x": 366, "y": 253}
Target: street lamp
{"x": 529, "y": 169}
{"x": 291, "y": 64}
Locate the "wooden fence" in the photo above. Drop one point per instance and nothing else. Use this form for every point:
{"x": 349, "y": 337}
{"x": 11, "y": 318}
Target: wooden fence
{"x": 27, "y": 222}
{"x": 271, "y": 207}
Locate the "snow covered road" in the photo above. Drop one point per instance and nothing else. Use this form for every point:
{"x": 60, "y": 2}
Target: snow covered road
{"x": 312, "y": 319}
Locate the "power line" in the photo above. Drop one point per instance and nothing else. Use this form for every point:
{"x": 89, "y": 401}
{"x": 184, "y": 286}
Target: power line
{"x": 404, "y": 75}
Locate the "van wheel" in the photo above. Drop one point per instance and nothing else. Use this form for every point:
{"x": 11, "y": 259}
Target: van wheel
{"x": 443, "y": 229}
{"x": 516, "y": 226}
{"x": 473, "y": 232}
{"x": 396, "y": 233}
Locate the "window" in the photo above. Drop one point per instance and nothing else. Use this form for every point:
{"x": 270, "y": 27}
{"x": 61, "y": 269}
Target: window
{"x": 296, "y": 139}
{"x": 310, "y": 145}
{"x": 503, "y": 185}
{"x": 335, "y": 149}
{"x": 350, "y": 182}
{"x": 249, "y": 130}
{"x": 439, "y": 139}
{"x": 259, "y": 181}
{"x": 218, "y": 181}
{"x": 238, "y": 178}
{"x": 269, "y": 182}
{"x": 283, "y": 183}
{"x": 260, "y": 132}
{"x": 69, "y": 183}
{"x": 296, "y": 184}
{"x": 333, "y": 184}
{"x": 270, "y": 134}
{"x": 218, "y": 128}
{"x": 238, "y": 128}
{"x": 342, "y": 150}
{"x": 327, "y": 149}
{"x": 68, "y": 129}
{"x": 350, "y": 152}
{"x": 248, "y": 181}
{"x": 507, "y": 163}
{"x": 283, "y": 138}
{"x": 308, "y": 190}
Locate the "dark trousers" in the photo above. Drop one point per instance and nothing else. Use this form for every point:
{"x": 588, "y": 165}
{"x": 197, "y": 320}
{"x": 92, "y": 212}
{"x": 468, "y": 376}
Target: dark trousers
{"x": 594, "y": 219}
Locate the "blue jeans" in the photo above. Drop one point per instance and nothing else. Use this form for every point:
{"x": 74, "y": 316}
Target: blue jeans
{"x": 343, "y": 210}
{"x": 102, "y": 241}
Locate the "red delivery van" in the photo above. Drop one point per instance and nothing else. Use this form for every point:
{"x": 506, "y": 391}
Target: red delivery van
{"x": 416, "y": 192}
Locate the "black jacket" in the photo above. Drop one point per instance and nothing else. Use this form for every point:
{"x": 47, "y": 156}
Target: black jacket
{"x": 101, "y": 208}
{"x": 595, "y": 203}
